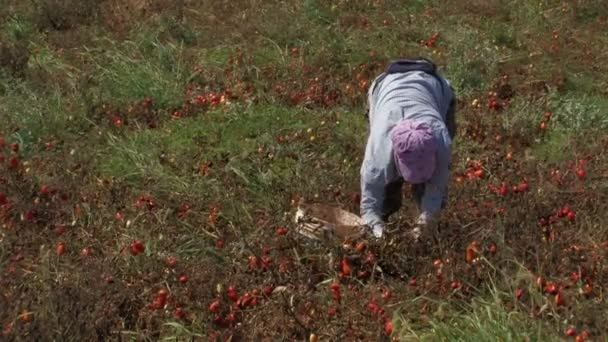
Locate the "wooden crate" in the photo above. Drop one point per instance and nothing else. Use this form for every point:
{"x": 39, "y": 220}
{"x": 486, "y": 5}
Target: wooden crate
{"x": 328, "y": 223}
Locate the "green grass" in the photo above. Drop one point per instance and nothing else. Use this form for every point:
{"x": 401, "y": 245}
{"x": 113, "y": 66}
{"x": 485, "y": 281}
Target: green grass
{"x": 131, "y": 71}
{"x": 589, "y": 11}
{"x": 167, "y": 159}
{"x": 18, "y": 29}
{"x": 579, "y": 112}
{"x": 482, "y": 320}
{"x": 40, "y": 116}
{"x": 472, "y": 59}
{"x": 554, "y": 148}
{"x": 492, "y": 315}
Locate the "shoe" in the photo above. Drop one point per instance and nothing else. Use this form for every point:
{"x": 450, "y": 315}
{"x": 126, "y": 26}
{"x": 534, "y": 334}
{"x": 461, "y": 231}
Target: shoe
{"x": 415, "y": 233}
{"x": 378, "y": 231}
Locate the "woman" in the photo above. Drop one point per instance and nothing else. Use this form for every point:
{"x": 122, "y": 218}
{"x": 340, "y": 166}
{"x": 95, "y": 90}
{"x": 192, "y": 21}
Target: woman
{"x": 411, "y": 128}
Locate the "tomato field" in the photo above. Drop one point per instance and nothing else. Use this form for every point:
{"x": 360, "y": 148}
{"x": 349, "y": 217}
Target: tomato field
{"x": 153, "y": 154}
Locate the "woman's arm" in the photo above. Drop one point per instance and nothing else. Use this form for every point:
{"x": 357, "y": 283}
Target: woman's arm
{"x": 436, "y": 189}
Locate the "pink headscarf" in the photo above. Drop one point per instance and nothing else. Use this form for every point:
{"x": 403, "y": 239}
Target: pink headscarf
{"x": 414, "y": 147}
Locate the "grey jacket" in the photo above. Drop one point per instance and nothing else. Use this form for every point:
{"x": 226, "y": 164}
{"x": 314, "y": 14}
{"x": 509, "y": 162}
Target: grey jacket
{"x": 412, "y": 95}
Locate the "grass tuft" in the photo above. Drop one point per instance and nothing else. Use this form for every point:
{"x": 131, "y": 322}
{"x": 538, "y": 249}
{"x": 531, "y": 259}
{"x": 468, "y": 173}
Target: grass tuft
{"x": 134, "y": 70}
